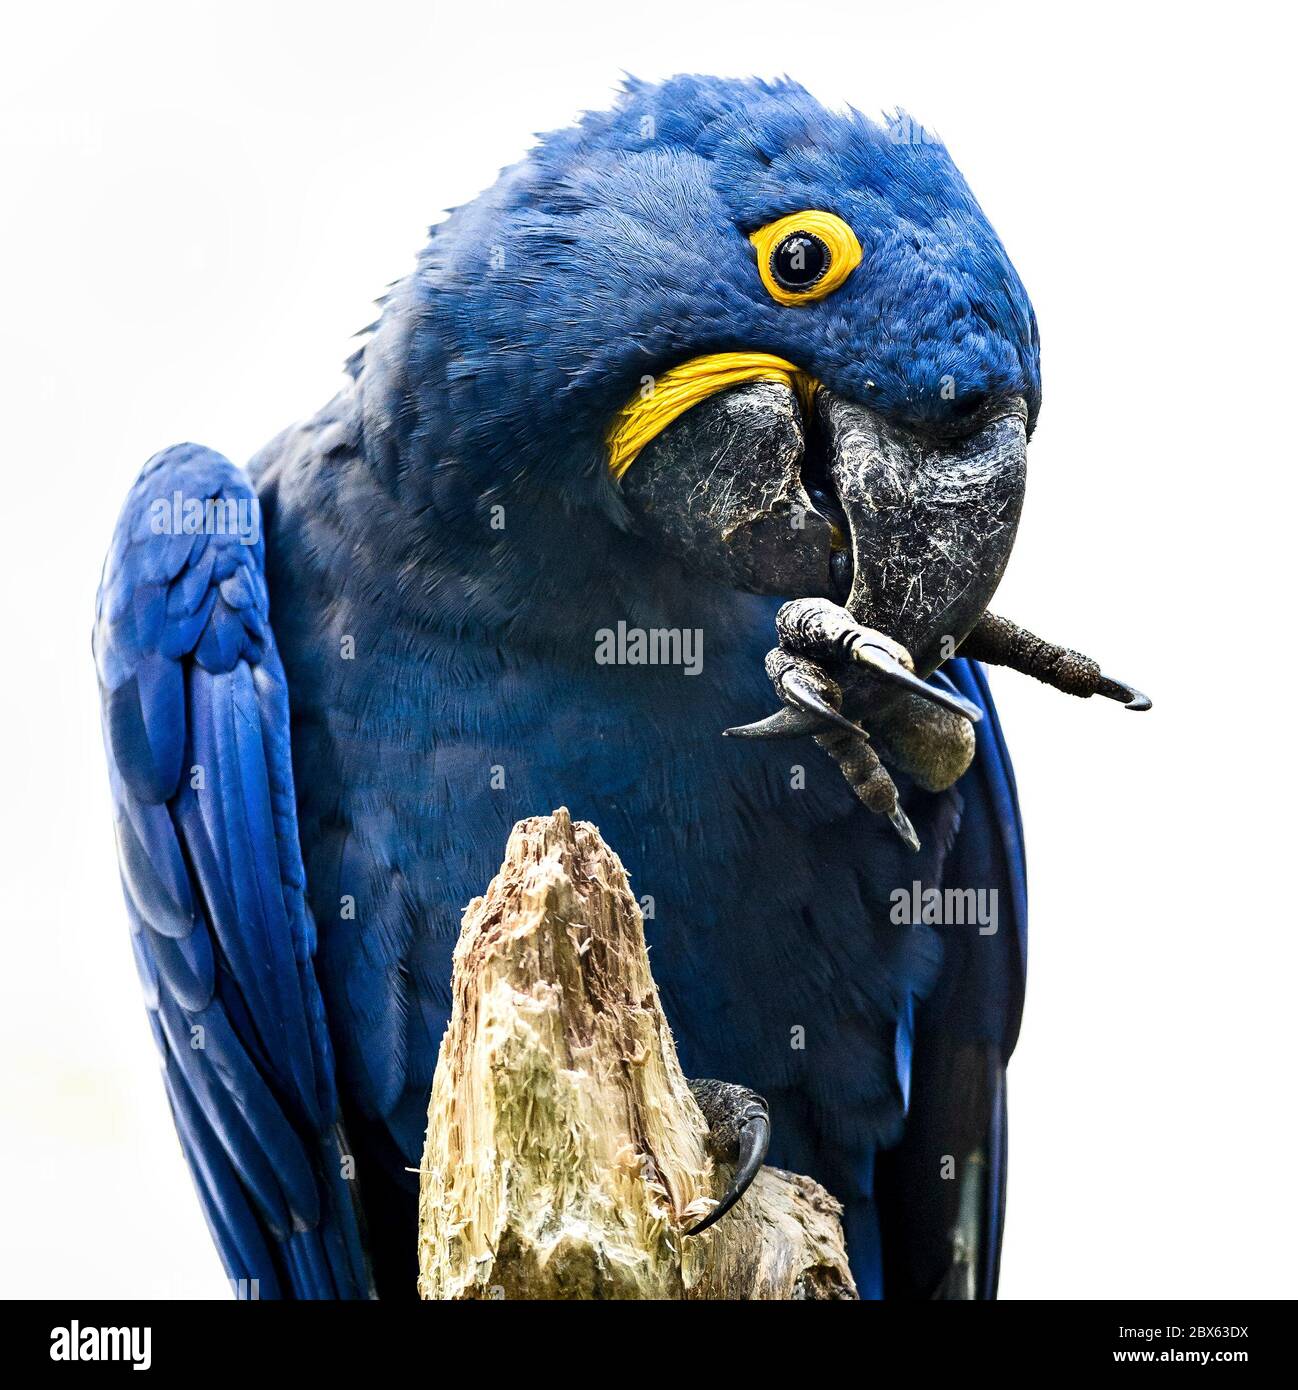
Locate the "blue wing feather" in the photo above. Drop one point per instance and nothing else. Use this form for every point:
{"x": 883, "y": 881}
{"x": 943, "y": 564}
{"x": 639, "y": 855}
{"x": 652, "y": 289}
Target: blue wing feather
{"x": 196, "y": 727}
{"x": 993, "y": 836}
{"x": 959, "y": 1043}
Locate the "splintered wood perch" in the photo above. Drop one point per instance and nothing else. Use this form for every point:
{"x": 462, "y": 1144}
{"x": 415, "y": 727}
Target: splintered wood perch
{"x": 565, "y": 1156}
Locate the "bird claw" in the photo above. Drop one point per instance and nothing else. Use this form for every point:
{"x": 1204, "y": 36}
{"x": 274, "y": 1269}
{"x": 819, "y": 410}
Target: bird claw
{"x": 815, "y": 631}
{"x": 881, "y": 663}
{"x": 1000, "y": 642}
{"x": 784, "y": 723}
{"x": 739, "y": 1133}
{"x": 901, "y": 824}
{"x": 1125, "y": 694}
{"x": 801, "y": 691}
{"x": 822, "y": 631}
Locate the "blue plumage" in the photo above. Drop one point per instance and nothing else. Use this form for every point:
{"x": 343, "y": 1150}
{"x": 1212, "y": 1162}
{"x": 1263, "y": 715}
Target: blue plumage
{"x": 439, "y": 547}
{"x": 196, "y": 727}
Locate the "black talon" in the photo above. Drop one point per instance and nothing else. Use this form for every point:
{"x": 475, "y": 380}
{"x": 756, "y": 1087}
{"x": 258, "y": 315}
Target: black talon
{"x": 886, "y": 667}
{"x": 739, "y": 1132}
{"x": 901, "y": 824}
{"x": 754, "y": 1139}
{"x": 807, "y": 698}
{"x": 784, "y": 723}
{"x": 1125, "y": 694}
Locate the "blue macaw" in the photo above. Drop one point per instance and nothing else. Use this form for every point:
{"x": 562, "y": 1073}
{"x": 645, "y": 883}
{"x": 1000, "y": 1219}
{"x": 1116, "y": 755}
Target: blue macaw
{"x": 716, "y": 348}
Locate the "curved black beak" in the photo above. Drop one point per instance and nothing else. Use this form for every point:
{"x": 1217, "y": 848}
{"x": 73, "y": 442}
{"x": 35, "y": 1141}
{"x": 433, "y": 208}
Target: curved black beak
{"x": 932, "y": 518}
{"x": 909, "y": 530}
{"x": 722, "y": 488}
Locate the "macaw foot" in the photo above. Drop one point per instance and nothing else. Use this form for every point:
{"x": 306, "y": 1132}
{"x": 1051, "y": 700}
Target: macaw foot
{"x": 1000, "y": 642}
{"x": 826, "y": 633}
{"x": 818, "y": 637}
{"x": 739, "y": 1132}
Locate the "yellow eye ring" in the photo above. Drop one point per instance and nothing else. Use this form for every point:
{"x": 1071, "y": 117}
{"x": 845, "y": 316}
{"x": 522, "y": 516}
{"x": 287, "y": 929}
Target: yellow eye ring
{"x": 805, "y": 256}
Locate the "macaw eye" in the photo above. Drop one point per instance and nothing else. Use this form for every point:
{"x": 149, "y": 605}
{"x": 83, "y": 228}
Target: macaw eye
{"x": 799, "y": 261}
{"x": 805, "y": 256}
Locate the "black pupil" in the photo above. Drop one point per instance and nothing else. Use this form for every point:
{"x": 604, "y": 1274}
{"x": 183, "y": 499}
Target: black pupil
{"x": 799, "y": 261}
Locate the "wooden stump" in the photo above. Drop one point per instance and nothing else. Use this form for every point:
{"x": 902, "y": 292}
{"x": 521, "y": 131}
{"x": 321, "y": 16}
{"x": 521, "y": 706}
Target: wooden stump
{"x": 565, "y": 1155}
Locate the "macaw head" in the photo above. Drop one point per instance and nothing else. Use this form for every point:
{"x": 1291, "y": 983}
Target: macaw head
{"x": 780, "y": 343}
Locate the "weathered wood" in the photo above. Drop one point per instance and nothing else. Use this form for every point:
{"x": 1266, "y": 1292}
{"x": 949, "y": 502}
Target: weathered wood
{"x": 565, "y": 1155}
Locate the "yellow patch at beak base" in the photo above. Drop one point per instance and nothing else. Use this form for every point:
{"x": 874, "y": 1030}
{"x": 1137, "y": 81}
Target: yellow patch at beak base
{"x": 672, "y": 394}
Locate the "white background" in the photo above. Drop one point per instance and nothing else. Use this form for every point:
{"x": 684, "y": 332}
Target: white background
{"x": 199, "y": 204}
